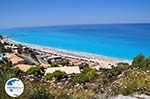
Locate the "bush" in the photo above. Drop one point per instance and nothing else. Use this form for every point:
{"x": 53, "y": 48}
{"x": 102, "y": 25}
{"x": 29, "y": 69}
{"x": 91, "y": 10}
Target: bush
{"x": 5, "y": 65}
{"x": 135, "y": 82}
{"x": 40, "y": 93}
{"x": 146, "y": 63}
{"x": 83, "y": 65}
{"x": 16, "y": 71}
{"x": 3, "y": 78}
{"x": 19, "y": 49}
{"x": 64, "y": 62}
{"x": 37, "y": 70}
{"x": 58, "y": 75}
{"x": 54, "y": 65}
{"x": 61, "y": 94}
{"x": 119, "y": 68}
{"x": 142, "y": 62}
{"x": 49, "y": 76}
{"x": 138, "y": 60}
{"x": 109, "y": 75}
{"x": 7, "y": 62}
{"x": 86, "y": 75}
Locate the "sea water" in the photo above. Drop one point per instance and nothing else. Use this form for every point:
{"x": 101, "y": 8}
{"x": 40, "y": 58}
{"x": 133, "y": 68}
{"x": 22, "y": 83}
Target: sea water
{"x": 114, "y": 40}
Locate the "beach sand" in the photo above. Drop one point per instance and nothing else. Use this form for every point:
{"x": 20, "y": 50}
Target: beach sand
{"x": 102, "y": 61}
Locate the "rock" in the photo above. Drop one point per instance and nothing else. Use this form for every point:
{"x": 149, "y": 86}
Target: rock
{"x": 131, "y": 97}
{"x": 123, "y": 97}
{"x": 31, "y": 79}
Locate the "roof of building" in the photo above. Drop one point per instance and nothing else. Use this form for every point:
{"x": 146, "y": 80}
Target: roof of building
{"x": 68, "y": 69}
{"x": 55, "y": 57}
{"x": 24, "y": 67}
{"x": 14, "y": 58}
{"x": 45, "y": 65}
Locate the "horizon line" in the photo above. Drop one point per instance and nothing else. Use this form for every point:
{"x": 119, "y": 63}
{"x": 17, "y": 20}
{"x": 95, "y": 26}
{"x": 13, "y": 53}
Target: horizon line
{"x": 59, "y": 25}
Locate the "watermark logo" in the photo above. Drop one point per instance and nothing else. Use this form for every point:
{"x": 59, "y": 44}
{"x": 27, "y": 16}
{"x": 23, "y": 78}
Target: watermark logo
{"x": 14, "y": 87}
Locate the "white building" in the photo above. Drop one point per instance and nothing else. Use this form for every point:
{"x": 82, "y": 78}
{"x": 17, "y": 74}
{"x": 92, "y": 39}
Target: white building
{"x": 67, "y": 70}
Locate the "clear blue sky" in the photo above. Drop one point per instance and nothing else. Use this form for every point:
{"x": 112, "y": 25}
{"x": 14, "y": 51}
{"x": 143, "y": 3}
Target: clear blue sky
{"x": 21, "y": 13}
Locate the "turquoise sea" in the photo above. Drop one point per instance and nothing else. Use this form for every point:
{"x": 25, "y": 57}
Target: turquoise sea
{"x": 113, "y": 40}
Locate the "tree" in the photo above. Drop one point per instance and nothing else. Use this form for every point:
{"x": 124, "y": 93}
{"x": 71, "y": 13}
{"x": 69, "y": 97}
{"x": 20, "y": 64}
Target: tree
{"x": 65, "y": 62}
{"x": 146, "y": 64}
{"x": 141, "y": 62}
{"x": 19, "y": 48}
{"x": 5, "y": 65}
{"x": 138, "y": 61}
{"x": 83, "y": 65}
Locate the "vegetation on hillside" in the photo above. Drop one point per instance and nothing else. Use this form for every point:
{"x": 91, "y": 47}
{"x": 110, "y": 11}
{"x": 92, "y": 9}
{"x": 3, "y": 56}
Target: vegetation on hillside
{"x": 58, "y": 75}
{"x": 122, "y": 79}
{"x": 35, "y": 70}
{"x": 86, "y": 75}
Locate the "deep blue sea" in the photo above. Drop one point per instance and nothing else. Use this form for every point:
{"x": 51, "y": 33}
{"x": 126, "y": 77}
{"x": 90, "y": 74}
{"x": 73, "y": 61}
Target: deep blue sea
{"x": 114, "y": 40}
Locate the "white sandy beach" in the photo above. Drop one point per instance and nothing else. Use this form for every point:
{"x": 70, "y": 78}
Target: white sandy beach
{"x": 103, "y": 61}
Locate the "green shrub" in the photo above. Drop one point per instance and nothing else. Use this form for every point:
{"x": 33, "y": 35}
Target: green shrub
{"x": 54, "y": 65}
{"x": 83, "y": 65}
{"x": 138, "y": 60}
{"x": 64, "y": 62}
{"x": 40, "y": 93}
{"x": 109, "y": 75}
{"x": 146, "y": 63}
{"x": 37, "y": 70}
{"x": 49, "y": 76}
{"x": 135, "y": 82}
{"x": 62, "y": 95}
{"x": 16, "y": 71}
{"x": 142, "y": 62}
{"x": 86, "y": 75}
{"x": 58, "y": 75}
{"x": 5, "y": 65}
{"x": 3, "y": 78}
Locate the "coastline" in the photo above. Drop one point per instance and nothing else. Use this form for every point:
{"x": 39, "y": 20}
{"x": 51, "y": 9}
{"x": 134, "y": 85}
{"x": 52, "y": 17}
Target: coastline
{"x": 104, "y": 61}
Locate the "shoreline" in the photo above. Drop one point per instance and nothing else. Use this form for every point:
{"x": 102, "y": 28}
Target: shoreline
{"x": 103, "y": 61}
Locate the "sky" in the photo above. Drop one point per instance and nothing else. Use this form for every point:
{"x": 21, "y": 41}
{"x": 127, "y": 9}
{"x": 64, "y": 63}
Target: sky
{"x": 28, "y": 13}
